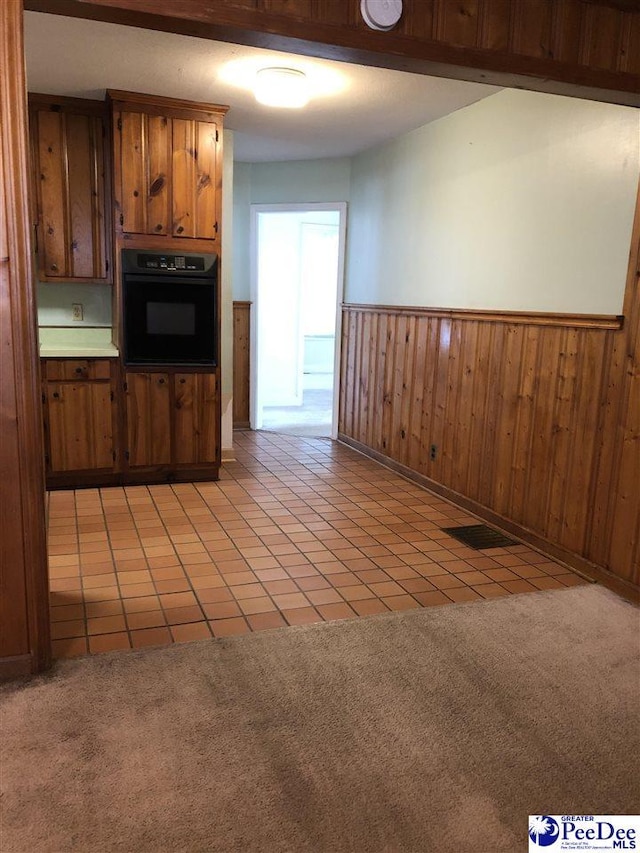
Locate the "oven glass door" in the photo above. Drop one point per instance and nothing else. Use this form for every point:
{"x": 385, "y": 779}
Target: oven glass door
{"x": 169, "y": 322}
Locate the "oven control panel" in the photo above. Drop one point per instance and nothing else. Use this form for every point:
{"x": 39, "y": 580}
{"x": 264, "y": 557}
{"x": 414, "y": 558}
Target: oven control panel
{"x": 171, "y": 262}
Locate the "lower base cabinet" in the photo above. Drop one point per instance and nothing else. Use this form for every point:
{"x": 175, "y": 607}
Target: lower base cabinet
{"x": 196, "y": 419}
{"x": 80, "y": 418}
{"x": 102, "y": 427}
{"x": 172, "y": 421}
{"x": 148, "y": 416}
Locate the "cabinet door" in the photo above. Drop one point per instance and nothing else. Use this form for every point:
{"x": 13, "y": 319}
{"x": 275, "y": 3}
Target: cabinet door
{"x": 167, "y": 175}
{"x": 148, "y": 411}
{"x": 195, "y": 179}
{"x": 69, "y": 163}
{"x": 143, "y": 173}
{"x": 80, "y": 426}
{"x": 196, "y": 418}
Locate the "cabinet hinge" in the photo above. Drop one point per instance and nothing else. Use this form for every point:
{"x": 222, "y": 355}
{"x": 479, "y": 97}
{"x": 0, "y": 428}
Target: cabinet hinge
{"x": 122, "y": 219}
{"x": 111, "y": 396}
{"x": 217, "y": 135}
{"x": 106, "y": 266}
{"x": 44, "y": 397}
{"x": 114, "y": 455}
{"x": 119, "y": 123}
{"x": 215, "y": 227}
{"x": 126, "y": 455}
{"x": 125, "y": 387}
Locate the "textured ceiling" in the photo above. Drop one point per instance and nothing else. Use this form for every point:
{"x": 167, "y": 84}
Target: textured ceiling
{"x": 364, "y": 107}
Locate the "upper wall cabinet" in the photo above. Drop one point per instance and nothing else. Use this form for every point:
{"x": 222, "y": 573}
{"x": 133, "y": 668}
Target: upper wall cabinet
{"x": 167, "y": 166}
{"x": 68, "y": 149}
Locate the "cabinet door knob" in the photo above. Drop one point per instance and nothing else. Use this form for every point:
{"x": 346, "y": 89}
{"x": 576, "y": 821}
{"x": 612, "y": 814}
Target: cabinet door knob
{"x": 55, "y": 395}
{"x": 179, "y": 229}
{"x": 54, "y": 267}
{"x": 182, "y": 381}
{"x": 78, "y": 370}
{"x": 161, "y": 381}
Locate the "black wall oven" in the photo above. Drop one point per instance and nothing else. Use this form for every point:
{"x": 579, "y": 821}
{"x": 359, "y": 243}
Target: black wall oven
{"x": 170, "y": 308}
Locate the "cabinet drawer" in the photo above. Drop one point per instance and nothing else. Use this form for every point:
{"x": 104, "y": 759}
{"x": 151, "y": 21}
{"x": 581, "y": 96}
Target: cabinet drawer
{"x": 67, "y": 369}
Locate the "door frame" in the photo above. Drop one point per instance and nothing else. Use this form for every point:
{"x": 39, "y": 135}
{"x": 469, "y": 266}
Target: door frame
{"x": 255, "y": 210}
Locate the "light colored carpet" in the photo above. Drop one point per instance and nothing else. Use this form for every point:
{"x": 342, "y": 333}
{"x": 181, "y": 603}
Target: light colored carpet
{"x": 312, "y": 419}
{"x": 437, "y": 730}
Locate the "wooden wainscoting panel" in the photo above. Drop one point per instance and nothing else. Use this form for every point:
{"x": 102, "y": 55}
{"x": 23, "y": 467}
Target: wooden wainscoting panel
{"x": 539, "y": 423}
{"x": 603, "y": 32}
{"x": 241, "y": 364}
{"x": 458, "y": 23}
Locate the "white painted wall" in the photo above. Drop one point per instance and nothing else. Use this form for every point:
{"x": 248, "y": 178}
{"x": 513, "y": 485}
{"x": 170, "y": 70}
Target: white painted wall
{"x": 55, "y": 301}
{"x": 301, "y": 181}
{"x": 523, "y": 201}
{"x": 296, "y": 182}
{"x": 241, "y": 231}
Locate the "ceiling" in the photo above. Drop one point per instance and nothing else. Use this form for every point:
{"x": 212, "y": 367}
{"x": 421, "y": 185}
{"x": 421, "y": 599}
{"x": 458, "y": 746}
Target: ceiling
{"x": 355, "y": 107}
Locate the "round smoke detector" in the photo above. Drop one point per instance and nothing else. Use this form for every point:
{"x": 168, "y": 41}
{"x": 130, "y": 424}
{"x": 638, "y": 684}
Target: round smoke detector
{"x": 381, "y": 14}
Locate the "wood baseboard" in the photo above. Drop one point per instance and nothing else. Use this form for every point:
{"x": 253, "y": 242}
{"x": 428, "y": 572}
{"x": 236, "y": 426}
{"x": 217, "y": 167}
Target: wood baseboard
{"x": 133, "y": 477}
{"x": 16, "y": 666}
{"x": 591, "y": 571}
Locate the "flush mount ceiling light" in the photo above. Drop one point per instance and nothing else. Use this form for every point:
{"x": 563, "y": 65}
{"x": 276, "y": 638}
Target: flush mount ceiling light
{"x": 281, "y": 87}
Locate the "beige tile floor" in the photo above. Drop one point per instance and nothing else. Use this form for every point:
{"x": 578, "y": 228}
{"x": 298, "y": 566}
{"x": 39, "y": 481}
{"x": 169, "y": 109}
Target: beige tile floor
{"x": 297, "y": 530}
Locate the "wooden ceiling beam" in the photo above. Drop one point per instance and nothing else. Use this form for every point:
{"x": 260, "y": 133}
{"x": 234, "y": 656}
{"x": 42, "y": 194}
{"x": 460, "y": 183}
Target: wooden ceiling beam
{"x": 567, "y": 47}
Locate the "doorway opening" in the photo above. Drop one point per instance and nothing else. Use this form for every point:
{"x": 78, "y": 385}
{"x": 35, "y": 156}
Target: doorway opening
{"x": 297, "y": 253}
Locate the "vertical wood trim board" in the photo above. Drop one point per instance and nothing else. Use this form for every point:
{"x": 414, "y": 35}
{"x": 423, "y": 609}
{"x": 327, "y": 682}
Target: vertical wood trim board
{"x": 241, "y": 363}
{"x": 539, "y": 424}
{"x": 24, "y": 601}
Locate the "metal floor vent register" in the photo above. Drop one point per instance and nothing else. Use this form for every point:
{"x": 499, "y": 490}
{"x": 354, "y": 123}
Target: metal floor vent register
{"x": 479, "y": 536}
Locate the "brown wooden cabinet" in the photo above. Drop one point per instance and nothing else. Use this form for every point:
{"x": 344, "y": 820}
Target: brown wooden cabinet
{"x": 167, "y": 166}
{"x": 152, "y": 427}
{"x": 69, "y": 165}
{"x": 196, "y": 419}
{"x": 80, "y": 416}
{"x": 172, "y": 422}
{"x": 148, "y": 413}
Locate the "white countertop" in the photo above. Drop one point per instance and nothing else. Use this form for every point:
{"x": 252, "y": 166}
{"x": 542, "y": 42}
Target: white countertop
{"x": 87, "y": 342}
{"x": 78, "y": 352}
